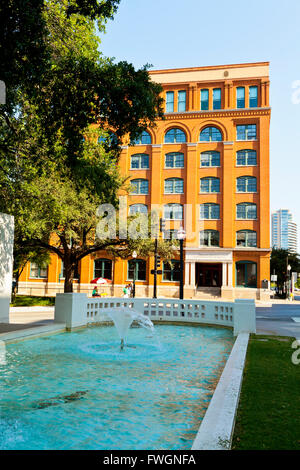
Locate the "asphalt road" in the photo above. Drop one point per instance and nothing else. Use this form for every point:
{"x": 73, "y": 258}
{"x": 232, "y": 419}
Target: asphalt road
{"x": 280, "y": 319}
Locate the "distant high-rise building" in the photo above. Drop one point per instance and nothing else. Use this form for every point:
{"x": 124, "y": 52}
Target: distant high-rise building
{"x": 284, "y": 230}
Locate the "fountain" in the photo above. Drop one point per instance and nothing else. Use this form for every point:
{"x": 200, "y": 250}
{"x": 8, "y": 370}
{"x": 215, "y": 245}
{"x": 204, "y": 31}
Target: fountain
{"x": 123, "y": 317}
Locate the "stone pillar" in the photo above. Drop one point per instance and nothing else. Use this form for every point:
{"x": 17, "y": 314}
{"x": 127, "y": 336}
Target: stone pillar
{"x": 230, "y": 266}
{"x": 224, "y": 274}
{"x": 6, "y": 264}
{"x": 193, "y": 274}
{"x": 244, "y": 319}
{"x": 71, "y": 309}
{"x": 187, "y": 273}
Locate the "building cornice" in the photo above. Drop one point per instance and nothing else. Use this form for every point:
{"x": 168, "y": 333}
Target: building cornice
{"x": 218, "y": 114}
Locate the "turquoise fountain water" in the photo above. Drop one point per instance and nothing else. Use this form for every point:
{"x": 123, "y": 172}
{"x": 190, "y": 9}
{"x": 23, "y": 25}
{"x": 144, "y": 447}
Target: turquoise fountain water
{"x": 80, "y": 391}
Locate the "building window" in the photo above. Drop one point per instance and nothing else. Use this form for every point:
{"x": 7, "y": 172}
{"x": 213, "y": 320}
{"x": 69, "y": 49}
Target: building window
{"x": 103, "y": 268}
{"x": 181, "y": 101}
{"x": 170, "y": 102}
{"x": 209, "y": 238}
{"x": 38, "y": 272}
{"x": 175, "y": 136}
{"x": 171, "y": 270}
{"x": 240, "y": 97}
{"x": 246, "y": 132}
{"x": 173, "y": 211}
{"x": 139, "y": 161}
{"x": 246, "y": 184}
{"x": 246, "y": 211}
{"x": 204, "y": 100}
{"x": 247, "y": 238}
{"x": 211, "y": 134}
{"x": 144, "y": 139}
{"x": 139, "y": 186}
{"x": 174, "y": 186}
{"x": 210, "y": 185}
{"x": 170, "y": 234}
{"x": 253, "y": 97}
{"x": 209, "y": 210}
{"x": 210, "y": 159}
{"x": 217, "y": 98}
{"x": 137, "y": 267}
{"x": 246, "y": 274}
{"x": 174, "y": 160}
{"x": 246, "y": 158}
{"x": 138, "y": 209}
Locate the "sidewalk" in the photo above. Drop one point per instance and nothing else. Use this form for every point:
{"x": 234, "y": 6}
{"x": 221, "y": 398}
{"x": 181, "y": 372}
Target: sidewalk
{"x": 21, "y": 318}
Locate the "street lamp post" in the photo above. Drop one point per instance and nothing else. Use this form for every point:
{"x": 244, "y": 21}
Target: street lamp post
{"x": 134, "y": 255}
{"x": 181, "y": 237}
{"x": 288, "y": 283}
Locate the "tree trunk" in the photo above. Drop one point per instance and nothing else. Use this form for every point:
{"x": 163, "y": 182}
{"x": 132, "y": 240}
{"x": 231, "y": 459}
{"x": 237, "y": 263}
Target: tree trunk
{"x": 69, "y": 274}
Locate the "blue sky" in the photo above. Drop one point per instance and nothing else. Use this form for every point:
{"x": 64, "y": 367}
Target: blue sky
{"x": 193, "y": 33}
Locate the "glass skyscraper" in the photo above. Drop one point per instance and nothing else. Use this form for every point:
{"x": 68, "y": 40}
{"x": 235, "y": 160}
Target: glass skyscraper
{"x": 284, "y": 231}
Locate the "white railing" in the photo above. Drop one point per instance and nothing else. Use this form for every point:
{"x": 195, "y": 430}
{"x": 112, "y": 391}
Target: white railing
{"x": 186, "y": 311}
{"x": 79, "y": 310}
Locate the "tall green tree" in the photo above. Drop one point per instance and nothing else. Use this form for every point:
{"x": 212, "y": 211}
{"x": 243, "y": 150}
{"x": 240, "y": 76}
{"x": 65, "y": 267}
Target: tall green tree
{"x": 53, "y": 171}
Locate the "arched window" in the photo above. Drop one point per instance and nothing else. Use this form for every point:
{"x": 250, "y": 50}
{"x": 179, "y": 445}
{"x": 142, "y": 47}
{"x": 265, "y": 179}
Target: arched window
{"x": 246, "y": 210}
{"x": 210, "y": 185}
{"x": 103, "y": 268}
{"x": 174, "y": 186}
{"x": 209, "y": 238}
{"x": 108, "y": 139}
{"x": 210, "y": 159}
{"x": 174, "y": 160}
{"x": 138, "y": 209}
{"x": 173, "y": 211}
{"x": 247, "y": 238}
{"x": 209, "y": 210}
{"x": 139, "y": 161}
{"x": 143, "y": 139}
{"x": 246, "y": 274}
{"x": 211, "y": 134}
{"x": 139, "y": 186}
{"x": 171, "y": 270}
{"x": 246, "y": 157}
{"x": 246, "y": 184}
{"x": 136, "y": 270}
{"x": 174, "y": 136}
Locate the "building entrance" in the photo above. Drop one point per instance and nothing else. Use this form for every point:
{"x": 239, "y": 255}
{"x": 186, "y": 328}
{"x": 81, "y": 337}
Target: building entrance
{"x": 208, "y": 275}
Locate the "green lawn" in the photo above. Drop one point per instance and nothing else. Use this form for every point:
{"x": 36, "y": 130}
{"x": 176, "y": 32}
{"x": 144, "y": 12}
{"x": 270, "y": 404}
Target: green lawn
{"x": 268, "y": 416}
{"x": 29, "y": 301}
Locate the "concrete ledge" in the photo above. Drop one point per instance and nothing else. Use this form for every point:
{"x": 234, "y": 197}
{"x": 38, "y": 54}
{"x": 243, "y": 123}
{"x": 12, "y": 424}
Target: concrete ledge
{"x": 30, "y": 333}
{"x": 216, "y": 429}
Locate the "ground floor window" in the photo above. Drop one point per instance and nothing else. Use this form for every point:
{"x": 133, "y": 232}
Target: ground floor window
{"x": 103, "y": 268}
{"x": 38, "y": 271}
{"x": 246, "y": 274}
{"x": 136, "y": 270}
{"x": 171, "y": 270}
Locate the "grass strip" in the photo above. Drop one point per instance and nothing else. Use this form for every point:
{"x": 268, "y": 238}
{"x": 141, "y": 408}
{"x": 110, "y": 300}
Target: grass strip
{"x": 32, "y": 301}
{"x": 268, "y": 416}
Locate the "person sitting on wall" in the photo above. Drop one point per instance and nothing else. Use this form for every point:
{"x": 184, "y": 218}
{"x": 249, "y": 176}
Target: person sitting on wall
{"x": 95, "y": 292}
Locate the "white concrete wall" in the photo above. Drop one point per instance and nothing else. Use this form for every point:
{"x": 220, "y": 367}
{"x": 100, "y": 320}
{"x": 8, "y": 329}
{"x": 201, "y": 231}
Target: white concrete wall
{"x": 6, "y": 264}
{"x": 78, "y": 310}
